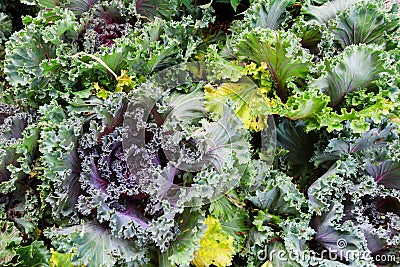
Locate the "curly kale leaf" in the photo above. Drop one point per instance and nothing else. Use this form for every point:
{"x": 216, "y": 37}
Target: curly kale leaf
{"x": 374, "y": 139}
{"x": 279, "y": 196}
{"x": 280, "y": 219}
{"x": 93, "y": 245}
{"x": 356, "y": 67}
{"x": 18, "y": 154}
{"x": 364, "y": 22}
{"x": 9, "y": 241}
{"x": 216, "y": 247}
{"x": 356, "y": 200}
{"x": 161, "y": 43}
{"x": 62, "y": 164}
{"x": 26, "y": 51}
{"x": 182, "y": 249}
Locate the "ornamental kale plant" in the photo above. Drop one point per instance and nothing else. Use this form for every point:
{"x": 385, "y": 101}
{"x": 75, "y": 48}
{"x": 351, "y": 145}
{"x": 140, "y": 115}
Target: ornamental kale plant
{"x": 133, "y": 177}
{"x": 19, "y": 201}
{"x": 169, "y": 133}
{"x": 68, "y": 47}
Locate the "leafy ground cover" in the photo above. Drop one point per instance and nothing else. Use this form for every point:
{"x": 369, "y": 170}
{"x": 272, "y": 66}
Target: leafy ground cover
{"x": 190, "y": 133}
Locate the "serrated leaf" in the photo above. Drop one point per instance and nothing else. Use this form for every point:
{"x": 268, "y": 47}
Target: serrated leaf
{"x": 237, "y": 227}
{"x": 279, "y": 195}
{"x": 181, "y": 250}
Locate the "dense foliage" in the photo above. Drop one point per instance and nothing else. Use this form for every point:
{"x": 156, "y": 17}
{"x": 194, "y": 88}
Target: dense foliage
{"x": 163, "y": 133}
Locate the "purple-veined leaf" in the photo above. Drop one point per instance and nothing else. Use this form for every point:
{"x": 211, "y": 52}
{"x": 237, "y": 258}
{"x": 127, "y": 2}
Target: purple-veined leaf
{"x": 386, "y": 173}
{"x": 357, "y": 67}
{"x": 81, "y": 6}
{"x": 366, "y": 23}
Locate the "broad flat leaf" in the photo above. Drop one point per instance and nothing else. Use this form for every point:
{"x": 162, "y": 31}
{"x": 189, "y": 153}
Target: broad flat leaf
{"x": 216, "y": 247}
{"x": 186, "y": 107}
{"x": 285, "y": 59}
{"x": 114, "y": 59}
{"x": 34, "y": 255}
{"x": 268, "y": 14}
{"x": 356, "y": 67}
{"x": 81, "y": 6}
{"x": 187, "y": 3}
{"x": 299, "y": 144}
{"x": 387, "y": 173}
{"x": 48, "y": 3}
{"x": 364, "y": 22}
{"x": 328, "y": 10}
{"x": 93, "y": 246}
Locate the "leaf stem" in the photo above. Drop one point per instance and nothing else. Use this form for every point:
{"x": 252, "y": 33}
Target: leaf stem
{"x": 98, "y": 60}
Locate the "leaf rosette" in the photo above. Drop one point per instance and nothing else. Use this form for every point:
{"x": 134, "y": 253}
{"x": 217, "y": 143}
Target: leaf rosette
{"x": 199, "y": 157}
{"x": 134, "y": 163}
